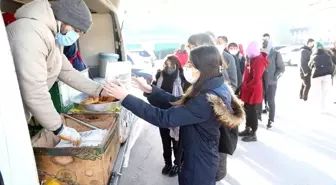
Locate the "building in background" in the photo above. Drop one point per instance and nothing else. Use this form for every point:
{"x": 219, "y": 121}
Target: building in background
{"x": 316, "y": 21}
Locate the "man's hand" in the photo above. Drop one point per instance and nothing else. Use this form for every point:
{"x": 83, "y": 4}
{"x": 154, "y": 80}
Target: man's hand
{"x": 70, "y": 134}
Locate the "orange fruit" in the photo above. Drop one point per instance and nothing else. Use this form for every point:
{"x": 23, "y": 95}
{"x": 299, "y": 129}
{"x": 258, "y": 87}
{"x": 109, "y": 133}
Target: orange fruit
{"x": 52, "y": 182}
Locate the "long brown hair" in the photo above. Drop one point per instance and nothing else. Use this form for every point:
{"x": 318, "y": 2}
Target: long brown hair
{"x": 208, "y": 61}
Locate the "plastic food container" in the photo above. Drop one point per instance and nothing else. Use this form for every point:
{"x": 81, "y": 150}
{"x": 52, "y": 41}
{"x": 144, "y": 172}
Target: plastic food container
{"x": 105, "y": 59}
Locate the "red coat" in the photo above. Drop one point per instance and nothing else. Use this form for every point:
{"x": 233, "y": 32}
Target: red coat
{"x": 252, "y": 85}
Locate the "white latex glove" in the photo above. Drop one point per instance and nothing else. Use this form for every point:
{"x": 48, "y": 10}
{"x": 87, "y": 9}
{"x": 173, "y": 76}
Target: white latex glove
{"x": 141, "y": 84}
{"x": 70, "y": 134}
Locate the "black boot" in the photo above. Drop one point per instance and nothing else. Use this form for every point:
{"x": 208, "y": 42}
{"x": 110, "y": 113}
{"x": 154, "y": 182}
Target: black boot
{"x": 245, "y": 132}
{"x": 166, "y": 169}
{"x": 251, "y": 137}
{"x": 174, "y": 171}
{"x": 265, "y": 111}
{"x": 269, "y": 124}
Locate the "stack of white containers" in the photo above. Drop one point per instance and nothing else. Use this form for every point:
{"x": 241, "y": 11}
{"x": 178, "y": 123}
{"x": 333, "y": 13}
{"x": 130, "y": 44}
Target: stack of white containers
{"x": 118, "y": 72}
{"x": 115, "y": 71}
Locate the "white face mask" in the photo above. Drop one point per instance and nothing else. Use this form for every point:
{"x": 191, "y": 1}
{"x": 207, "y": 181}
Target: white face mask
{"x": 233, "y": 52}
{"x": 188, "y": 75}
{"x": 221, "y": 48}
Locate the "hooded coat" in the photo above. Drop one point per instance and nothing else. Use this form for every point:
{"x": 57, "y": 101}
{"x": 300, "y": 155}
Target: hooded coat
{"x": 39, "y": 62}
{"x": 199, "y": 120}
{"x": 252, "y": 85}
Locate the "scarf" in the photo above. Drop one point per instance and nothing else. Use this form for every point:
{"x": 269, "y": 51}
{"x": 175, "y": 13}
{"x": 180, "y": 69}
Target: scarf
{"x": 74, "y": 57}
{"x": 177, "y": 92}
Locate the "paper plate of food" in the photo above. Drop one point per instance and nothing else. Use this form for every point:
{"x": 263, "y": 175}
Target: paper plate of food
{"x": 96, "y": 104}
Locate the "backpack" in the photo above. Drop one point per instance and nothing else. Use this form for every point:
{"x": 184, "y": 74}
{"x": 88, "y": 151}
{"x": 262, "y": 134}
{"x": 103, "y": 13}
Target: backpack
{"x": 228, "y": 137}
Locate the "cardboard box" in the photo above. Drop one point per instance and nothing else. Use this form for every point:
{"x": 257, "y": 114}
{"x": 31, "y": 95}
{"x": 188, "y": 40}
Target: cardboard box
{"x": 78, "y": 165}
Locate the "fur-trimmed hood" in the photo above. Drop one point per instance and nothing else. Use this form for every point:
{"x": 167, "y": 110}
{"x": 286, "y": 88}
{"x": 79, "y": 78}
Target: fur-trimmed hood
{"x": 225, "y": 105}
{"x": 230, "y": 117}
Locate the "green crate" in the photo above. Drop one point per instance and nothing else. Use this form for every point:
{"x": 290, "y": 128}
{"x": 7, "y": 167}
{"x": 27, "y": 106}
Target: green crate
{"x": 59, "y": 94}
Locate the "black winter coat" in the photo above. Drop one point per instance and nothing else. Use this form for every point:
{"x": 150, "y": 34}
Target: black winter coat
{"x": 199, "y": 120}
{"x": 167, "y": 85}
{"x": 305, "y": 58}
{"x": 321, "y": 64}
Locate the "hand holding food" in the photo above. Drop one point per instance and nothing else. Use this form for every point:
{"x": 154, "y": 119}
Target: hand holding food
{"x": 70, "y": 134}
{"x": 142, "y": 84}
{"x": 116, "y": 91}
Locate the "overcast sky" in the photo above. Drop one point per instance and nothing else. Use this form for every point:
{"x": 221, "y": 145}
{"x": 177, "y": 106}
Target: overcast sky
{"x": 243, "y": 19}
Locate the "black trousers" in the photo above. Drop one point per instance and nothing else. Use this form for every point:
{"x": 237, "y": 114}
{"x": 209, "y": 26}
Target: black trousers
{"x": 222, "y": 166}
{"x": 305, "y": 87}
{"x": 169, "y": 146}
{"x": 252, "y": 111}
{"x": 270, "y": 94}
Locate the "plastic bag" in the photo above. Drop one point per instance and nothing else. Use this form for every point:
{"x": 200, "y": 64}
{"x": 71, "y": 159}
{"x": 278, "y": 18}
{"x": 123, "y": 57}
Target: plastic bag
{"x": 88, "y": 138}
{"x": 126, "y": 119}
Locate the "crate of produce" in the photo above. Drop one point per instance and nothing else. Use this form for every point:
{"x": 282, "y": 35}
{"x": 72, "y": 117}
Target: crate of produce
{"x": 83, "y": 165}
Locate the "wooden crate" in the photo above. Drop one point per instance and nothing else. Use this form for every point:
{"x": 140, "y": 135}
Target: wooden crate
{"x": 78, "y": 165}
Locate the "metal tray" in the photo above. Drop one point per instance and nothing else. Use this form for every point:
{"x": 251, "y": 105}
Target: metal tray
{"x": 103, "y": 107}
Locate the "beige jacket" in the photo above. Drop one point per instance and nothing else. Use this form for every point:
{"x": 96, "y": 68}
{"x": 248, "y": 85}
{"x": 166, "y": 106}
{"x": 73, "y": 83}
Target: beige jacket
{"x": 39, "y": 62}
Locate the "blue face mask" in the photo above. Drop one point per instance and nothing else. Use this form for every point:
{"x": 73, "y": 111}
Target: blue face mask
{"x": 68, "y": 39}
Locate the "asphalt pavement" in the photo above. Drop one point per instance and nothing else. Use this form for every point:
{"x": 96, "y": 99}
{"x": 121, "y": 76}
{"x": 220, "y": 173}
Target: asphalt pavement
{"x": 299, "y": 150}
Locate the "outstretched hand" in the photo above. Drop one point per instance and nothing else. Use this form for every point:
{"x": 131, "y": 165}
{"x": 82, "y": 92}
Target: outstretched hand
{"x": 115, "y": 90}
{"x": 141, "y": 84}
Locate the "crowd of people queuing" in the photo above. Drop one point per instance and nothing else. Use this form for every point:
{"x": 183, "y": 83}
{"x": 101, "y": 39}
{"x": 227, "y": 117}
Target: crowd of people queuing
{"x": 223, "y": 87}
{"x": 198, "y": 103}
{"x": 219, "y": 74}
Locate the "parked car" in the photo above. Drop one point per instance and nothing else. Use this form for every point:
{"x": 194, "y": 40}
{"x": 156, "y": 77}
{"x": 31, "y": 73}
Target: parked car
{"x": 148, "y": 57}
{"x": 291, "y": 55}
{"x": 279, "y": 47}
{"x": 140, "y": 67}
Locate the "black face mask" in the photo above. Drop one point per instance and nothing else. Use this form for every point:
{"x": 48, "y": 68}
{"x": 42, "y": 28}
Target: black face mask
{"x": 265, "y": 44}
{"x": 170, "y": 70}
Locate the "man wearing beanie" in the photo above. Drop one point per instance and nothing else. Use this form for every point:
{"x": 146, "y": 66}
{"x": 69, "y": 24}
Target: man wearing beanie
{"x": 37, "y": 39}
